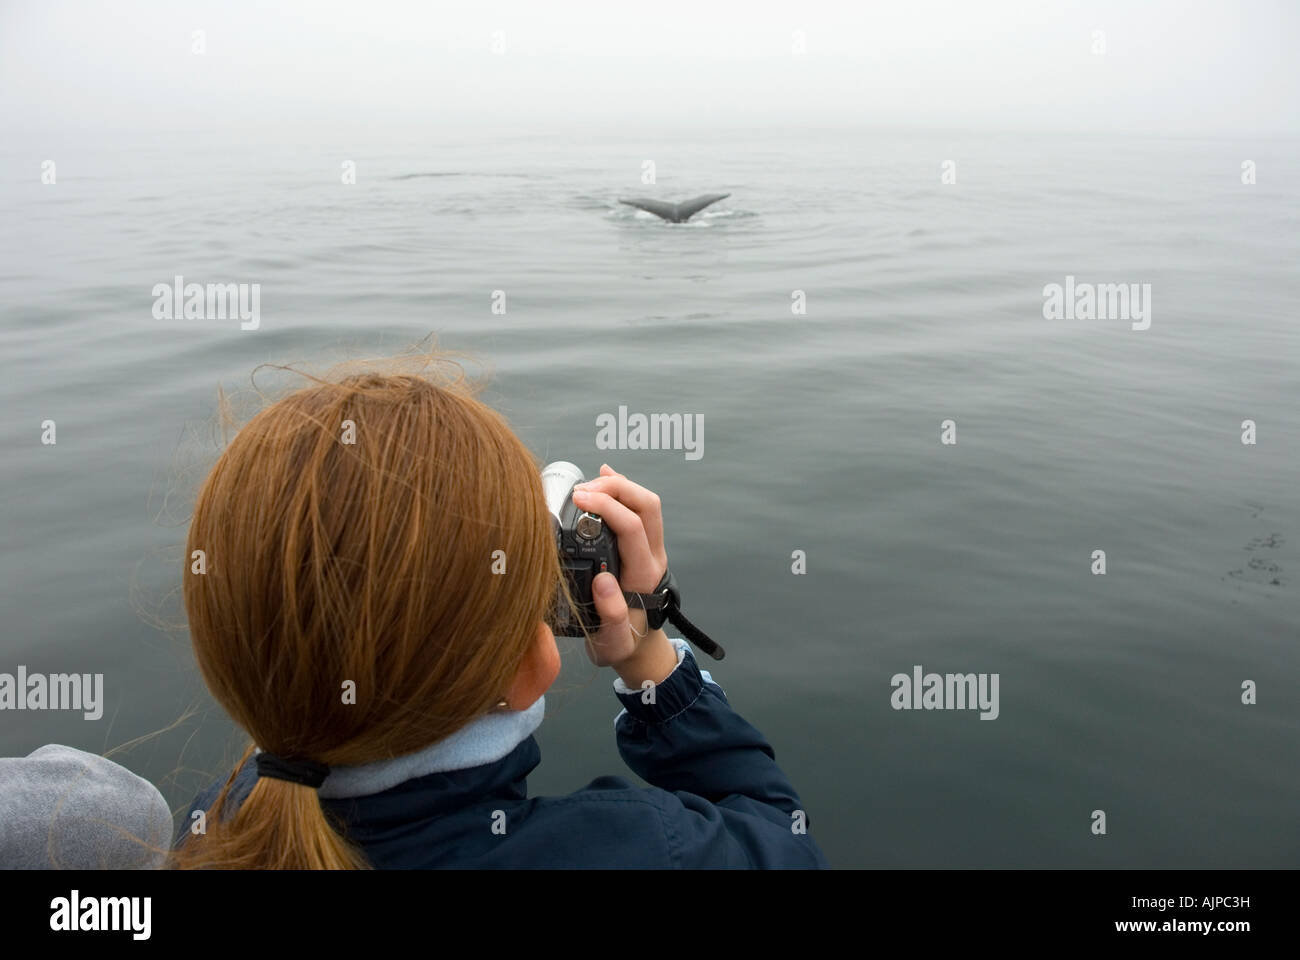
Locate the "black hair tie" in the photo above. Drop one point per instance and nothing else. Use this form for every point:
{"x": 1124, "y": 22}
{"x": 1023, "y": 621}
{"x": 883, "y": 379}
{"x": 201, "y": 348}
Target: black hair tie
{"x": 305, "y": 772}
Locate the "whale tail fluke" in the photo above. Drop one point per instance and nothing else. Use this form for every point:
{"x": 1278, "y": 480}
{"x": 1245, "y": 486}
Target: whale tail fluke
{"x": 676, "y": 212}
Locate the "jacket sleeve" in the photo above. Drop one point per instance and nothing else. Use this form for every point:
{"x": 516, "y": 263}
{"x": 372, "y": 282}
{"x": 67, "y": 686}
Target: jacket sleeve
{"x": 731, "y": 804}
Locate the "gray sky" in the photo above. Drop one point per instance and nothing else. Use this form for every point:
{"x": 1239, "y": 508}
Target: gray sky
{"x": 1169, "y": 67}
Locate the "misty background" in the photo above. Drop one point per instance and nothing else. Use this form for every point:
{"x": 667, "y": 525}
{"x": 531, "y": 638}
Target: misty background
{"x": 1168, "y": 67}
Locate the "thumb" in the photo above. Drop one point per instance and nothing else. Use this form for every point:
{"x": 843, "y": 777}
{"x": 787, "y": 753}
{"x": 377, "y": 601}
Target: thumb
{"x": 609, "y": 601}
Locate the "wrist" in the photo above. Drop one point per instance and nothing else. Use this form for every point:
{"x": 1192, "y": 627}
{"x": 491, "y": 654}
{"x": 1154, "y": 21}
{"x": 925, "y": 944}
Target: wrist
{"x": 655, "y": 659}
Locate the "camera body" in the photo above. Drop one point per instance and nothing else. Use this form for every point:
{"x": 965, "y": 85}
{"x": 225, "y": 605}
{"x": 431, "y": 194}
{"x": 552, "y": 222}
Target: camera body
{"x": 587, "y": 547}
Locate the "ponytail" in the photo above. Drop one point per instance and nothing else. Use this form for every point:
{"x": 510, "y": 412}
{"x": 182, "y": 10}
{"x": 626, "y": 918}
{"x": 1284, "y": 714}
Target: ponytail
{"x": 279, "y": 826}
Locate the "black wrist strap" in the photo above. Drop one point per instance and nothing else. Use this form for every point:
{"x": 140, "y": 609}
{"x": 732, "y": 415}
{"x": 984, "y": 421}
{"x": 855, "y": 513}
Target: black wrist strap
{"x": 665, "y": 605}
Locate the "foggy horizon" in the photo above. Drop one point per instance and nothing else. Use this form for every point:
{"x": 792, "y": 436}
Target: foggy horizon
{"x": 1196, "y": 69}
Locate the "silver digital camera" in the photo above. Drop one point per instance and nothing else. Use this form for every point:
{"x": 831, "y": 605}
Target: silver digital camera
{"x": 587, "y": 547}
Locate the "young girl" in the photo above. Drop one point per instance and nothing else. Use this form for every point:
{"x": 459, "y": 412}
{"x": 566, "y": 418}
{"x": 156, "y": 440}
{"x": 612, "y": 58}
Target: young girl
{"x": 354, "y": 618}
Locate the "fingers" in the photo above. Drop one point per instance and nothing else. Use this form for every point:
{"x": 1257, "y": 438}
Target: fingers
{"x": 644, "y": 502}
{"x": 637, "y": 559}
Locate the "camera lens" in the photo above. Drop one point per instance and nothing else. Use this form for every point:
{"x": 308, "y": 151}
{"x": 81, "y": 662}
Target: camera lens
{"x": 588, "y": 526}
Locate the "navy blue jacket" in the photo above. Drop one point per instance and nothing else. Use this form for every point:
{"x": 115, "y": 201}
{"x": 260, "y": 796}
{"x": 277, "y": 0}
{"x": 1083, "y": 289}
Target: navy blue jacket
{"x": 718, "y": 800}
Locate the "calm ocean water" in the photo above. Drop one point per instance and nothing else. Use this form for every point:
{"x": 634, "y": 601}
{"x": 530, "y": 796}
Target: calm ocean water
{"x": 822, "y": 433}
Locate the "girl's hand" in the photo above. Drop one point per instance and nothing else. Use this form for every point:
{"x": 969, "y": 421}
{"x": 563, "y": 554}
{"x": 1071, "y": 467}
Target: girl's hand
{"x": 623, "y": 640}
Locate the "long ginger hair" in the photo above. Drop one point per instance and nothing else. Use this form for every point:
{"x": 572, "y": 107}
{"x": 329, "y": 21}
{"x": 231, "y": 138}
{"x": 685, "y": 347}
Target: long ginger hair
{"x": 351, "y": 533}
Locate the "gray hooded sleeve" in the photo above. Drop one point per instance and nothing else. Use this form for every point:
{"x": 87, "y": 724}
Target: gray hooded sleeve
{"x": 62, "y": 808}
